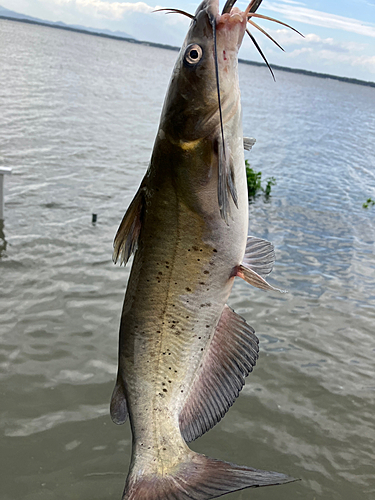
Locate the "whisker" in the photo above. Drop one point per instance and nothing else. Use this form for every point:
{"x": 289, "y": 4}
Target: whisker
{"x": 260, "y": 52}
{"x": 228, "y": 6}
{"x": 252, "y": 14}
{"x": 265, "y": 33}
{"x": 254, "y": 5}
{"x": 175, "y": 11}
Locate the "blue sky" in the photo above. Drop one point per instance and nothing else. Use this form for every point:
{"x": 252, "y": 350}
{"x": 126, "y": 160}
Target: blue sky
{"x": 339, "y": 35}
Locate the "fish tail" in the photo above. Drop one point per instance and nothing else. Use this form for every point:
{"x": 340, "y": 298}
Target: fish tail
{"x": 200, "y": 478}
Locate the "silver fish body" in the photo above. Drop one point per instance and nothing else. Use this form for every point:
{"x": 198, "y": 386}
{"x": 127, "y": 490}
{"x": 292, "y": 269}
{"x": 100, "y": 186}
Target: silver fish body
{"x": 183, "y": 353}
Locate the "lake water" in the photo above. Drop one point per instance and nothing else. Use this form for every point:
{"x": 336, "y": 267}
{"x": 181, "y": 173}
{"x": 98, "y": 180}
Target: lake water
{"x": 78, "y": 116}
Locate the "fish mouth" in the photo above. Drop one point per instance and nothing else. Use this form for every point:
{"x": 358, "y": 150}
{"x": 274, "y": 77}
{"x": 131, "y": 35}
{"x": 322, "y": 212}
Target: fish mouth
{"x": 229, "y": 12}
{"x": 229, "y": 16}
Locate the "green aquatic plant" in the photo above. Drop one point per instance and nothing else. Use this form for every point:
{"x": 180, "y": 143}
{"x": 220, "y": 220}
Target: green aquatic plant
{"x": 254, "y": 182}
{"x": 368, "y": 203}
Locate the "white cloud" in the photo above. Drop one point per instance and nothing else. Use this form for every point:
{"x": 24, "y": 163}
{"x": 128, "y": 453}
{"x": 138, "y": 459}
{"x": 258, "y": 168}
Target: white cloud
{"x": 288, "y": 38}
{"x": 110, "y": 10}
{"x": 326, "y": 50}
{"x": 323, "y": 19}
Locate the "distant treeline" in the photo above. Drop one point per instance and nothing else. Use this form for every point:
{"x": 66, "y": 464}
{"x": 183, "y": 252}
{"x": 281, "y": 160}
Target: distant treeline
{"x": 171, "y": 47}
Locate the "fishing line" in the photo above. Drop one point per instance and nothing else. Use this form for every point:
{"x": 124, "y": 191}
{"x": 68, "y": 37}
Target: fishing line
{"x": 213, "y": 23}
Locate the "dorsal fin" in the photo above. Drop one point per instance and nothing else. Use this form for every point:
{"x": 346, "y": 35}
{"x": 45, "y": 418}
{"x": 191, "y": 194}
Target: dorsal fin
{"x": 230, "y": 357}
{"x": 126, "y": 238}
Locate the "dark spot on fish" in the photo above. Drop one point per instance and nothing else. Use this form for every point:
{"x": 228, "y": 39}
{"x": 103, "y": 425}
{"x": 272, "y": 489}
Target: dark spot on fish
{"x": 166, "y": 262}
{"x": 160, "y": 273}
{"x": 188, "y": 289}
{"x": 163, "y": 383}
{"x": 170, "y": 368}
{"x": 202, "y": 283}
{"x": 202, "y": 349}
{"x": 206, "y": 272}
{"x": 167, "y": 267}
{"x": 165, "y": 390}
{"x": 182, "y": 390}
{"x": 175, "y": 371}
{"x": 163, "y": 352}
{"x": 198, "y": 260}
{"x": 215, "y": 250}
{"x": 158, "y": 331}
{"x": 169, "y": 353}
{"x": 187, "y": 317}
{"x": 170, "y": 381}
{"x": 164, "y": 449}
{"x": 199, "y": 338}
{"x": 188, "y": 249}
{"x": 195, "y": 248}
{"x": 207, "y": 326}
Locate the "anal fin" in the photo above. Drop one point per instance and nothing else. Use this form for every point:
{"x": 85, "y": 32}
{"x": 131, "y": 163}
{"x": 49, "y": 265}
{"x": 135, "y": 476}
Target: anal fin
{"x": 230, "y": 357}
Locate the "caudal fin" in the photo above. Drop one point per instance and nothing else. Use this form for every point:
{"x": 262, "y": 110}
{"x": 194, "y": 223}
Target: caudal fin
{"x": 199, "y": 479}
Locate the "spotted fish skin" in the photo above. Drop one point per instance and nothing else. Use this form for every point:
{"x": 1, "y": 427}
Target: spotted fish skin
{"x": 183, "y": 353}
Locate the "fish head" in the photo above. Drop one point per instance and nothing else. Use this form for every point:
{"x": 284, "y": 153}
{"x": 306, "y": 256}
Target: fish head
{"x": 191, "y": 109}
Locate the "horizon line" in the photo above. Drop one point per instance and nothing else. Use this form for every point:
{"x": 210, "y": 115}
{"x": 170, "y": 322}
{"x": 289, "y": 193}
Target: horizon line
{"x": 52, "y": 24}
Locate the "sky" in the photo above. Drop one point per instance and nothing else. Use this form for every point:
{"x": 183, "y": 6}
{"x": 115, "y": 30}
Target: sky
{"x": 339, "y": 35}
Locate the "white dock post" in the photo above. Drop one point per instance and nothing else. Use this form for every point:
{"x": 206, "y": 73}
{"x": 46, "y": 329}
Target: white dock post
{"x": 3, "y": 170}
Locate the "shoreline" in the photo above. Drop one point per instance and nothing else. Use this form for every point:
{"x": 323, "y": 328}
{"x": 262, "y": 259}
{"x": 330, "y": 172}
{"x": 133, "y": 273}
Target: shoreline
{"x": 171, "y": 47}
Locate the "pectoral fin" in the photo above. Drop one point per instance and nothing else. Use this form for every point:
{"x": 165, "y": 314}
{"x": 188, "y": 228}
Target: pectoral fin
{"x": 226, "y": 188}
{"x": 248, "y": 143}
{"x": 126, "y": 239}
{"x": 230, "y": 357}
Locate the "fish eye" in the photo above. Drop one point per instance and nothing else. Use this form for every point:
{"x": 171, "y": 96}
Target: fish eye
{"x": 193, "y": 54}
